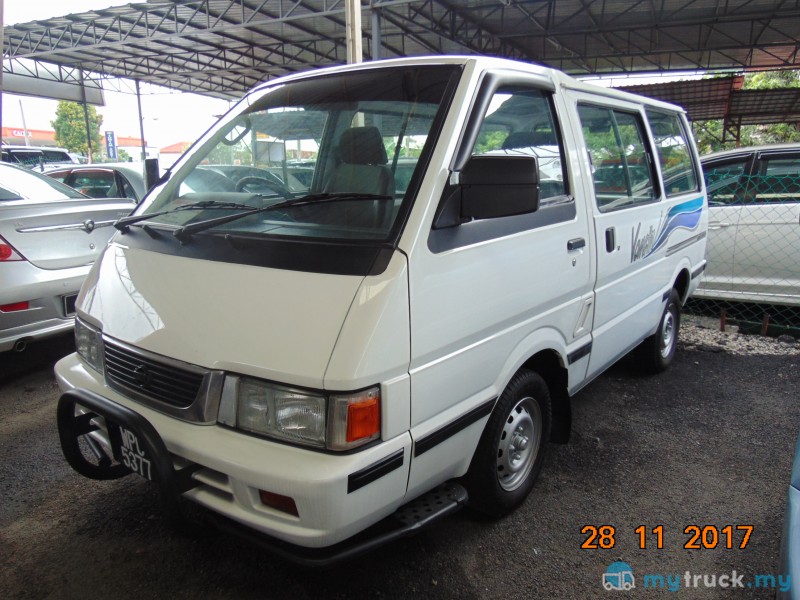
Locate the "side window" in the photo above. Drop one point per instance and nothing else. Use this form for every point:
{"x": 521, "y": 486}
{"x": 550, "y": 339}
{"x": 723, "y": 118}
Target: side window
{"x": 726, "y": 181}
{"x": 56, "y": 156}
{"x": 778, "y": 180}
{"x": 58, "y": 175}
{"x": 521, "y": 121}
{"x": 6, "y": 194}
{"x": 127, "y": 189}
{"x": 677, "y": 166}
{"x": 619, "y": 156}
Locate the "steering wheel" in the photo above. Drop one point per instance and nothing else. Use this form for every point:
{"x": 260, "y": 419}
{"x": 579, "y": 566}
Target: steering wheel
{"x": 245, "y": 183}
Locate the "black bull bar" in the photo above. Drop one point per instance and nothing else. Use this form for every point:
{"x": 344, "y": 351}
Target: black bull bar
{"x": 72, "y": 427}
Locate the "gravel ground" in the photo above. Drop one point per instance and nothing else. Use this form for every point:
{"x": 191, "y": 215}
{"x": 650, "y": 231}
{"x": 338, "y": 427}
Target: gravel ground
{"x": 702, "y": 333}
{"x": 709, "y": 443}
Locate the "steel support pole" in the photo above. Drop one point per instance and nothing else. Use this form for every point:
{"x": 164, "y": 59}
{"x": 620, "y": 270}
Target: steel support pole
{"x": 86, "y": 118}
{"x": 141, "y": 128}
{"x": 376, "y": 33}
{"x": 352, "y": 14}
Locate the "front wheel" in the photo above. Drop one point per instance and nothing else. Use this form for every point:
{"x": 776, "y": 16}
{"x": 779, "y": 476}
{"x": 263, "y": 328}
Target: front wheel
{"x": 656, "y": 352}
{"x": 510, "y": 453}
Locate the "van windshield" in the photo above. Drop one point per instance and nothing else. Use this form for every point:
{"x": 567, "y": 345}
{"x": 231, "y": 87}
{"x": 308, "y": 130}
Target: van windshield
{"x": 337, "y": 155}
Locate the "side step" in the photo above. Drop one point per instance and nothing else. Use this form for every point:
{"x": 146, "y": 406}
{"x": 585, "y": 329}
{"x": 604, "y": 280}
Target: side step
{"x": 410, "y": 518}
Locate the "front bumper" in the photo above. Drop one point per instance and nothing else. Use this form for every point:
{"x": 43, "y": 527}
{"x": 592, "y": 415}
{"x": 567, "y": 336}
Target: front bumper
{"x": 228, "y": 468}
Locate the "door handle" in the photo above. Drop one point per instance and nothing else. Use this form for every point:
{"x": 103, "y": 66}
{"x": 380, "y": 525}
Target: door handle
{"x": 611, "y": 240}
{"x": 576, "y": 244}
{"x": 718, "y": 225}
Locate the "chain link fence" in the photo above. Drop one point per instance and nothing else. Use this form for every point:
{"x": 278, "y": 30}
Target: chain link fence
{"x": 753, "y": 275}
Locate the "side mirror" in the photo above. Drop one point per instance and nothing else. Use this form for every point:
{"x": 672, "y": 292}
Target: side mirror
{"x": 490, "y": 187}
{"x": 151, "y": 175}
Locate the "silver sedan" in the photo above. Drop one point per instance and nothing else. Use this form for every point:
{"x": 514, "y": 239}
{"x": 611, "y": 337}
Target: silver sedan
{"x": 50, "y": 235}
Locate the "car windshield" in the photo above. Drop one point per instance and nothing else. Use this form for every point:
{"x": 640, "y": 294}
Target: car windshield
{"x": 344, "y": 146}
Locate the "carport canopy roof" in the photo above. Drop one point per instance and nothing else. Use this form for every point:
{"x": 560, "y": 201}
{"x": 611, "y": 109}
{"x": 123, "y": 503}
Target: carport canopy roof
{"x": 222, "y": 48}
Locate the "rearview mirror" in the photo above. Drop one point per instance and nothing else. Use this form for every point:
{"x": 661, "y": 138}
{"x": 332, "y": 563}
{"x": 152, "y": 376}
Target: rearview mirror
{"x": 490, "y": 187}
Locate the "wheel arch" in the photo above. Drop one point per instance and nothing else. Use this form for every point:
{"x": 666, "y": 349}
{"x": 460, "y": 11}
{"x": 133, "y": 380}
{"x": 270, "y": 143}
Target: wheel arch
{"x": 550, "y": 366}
{"x": 681, "y": 284}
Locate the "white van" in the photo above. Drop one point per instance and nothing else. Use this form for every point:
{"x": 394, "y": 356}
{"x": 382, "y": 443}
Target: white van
{"x": 352, "y": 359}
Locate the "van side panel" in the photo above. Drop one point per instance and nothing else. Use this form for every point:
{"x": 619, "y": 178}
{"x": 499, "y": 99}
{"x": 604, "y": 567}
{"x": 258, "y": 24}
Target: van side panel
{"x": 473, "y": 306}
{"x": 639, "y": 239}
{"x": 629, "y": 292}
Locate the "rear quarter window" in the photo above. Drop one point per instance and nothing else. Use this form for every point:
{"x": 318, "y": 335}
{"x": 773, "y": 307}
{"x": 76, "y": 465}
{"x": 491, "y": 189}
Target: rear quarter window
{"x": 672, "y": 145}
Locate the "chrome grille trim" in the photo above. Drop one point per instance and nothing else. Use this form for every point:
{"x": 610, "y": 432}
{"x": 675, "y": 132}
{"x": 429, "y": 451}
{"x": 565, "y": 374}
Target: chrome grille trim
{"x": 170, "y": 386}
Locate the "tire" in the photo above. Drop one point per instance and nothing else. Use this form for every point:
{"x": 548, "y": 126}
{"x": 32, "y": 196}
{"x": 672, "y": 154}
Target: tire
{"x": 655, "y": 353}
{"x": 511, "y": 450}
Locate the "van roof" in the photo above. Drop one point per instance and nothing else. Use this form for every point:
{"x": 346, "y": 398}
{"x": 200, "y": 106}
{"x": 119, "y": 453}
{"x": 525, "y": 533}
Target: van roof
{"x": 482, "y": 63}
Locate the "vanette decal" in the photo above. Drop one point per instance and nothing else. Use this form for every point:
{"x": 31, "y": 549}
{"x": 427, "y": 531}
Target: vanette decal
{"x": 642, "y": 243}
{"x": 682, "y": 216}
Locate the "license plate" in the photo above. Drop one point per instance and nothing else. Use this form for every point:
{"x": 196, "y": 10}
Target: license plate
{"x": 69, "y": 304}
{"x": 133, "y": 454}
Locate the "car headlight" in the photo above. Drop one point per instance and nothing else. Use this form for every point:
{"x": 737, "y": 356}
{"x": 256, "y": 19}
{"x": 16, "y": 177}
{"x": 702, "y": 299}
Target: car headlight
{"x": 319, "y": 420}
{"x": 89, "y": 344}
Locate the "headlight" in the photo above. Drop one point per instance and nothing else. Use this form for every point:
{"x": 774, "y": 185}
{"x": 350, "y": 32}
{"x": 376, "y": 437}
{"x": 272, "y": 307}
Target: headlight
{"x": 335, "y": 421}
{"x": 89, "y": 344}
{"x": 281, "y": 412}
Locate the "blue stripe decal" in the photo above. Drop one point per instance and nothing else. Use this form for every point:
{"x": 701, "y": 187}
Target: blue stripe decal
{"x": 682, "y": 216}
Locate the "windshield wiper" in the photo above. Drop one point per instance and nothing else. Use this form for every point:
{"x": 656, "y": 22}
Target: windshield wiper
{"x": 188, "y": 230}
{"x": 125, "y": 222}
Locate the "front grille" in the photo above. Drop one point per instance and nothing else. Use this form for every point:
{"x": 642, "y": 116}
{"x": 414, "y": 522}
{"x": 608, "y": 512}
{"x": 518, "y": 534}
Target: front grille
{"x": 151, "y": 377}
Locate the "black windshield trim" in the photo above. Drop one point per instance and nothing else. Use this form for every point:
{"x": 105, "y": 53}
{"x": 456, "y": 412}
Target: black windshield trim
{"x": 294, "y": 254}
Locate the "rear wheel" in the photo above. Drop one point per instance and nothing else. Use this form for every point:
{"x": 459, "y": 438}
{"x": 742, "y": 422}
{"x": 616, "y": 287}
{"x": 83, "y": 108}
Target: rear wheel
{"x": 512, "y": 447}
{"x": 656, "y": 352}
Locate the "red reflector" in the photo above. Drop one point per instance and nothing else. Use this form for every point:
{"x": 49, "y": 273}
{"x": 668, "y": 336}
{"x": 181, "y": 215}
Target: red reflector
{"x": 14, "y": 306}
{"x": 363, "y": 419}
{"x": 278, "y": 502}
{"x": 6, "y": 251}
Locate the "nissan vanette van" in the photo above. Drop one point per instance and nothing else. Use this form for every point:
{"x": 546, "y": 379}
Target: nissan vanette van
{"x": 332, "y": 368}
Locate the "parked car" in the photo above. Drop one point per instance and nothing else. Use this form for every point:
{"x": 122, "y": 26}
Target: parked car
{"x": 103, "y": 180}
{"x": 754, "y": 225}
{"x": 110, "y": 180}
{"x": 50, "y": 235}
{"x": 36, "y": 157}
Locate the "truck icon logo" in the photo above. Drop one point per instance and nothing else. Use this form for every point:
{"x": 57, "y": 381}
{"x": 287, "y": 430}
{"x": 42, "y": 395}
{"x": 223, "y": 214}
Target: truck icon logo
{"x": 619, "y": 577}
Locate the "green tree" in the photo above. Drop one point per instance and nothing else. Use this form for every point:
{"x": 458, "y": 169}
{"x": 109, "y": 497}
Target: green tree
{"x": 70, "y": 127}
{"x": 770, "y": 80}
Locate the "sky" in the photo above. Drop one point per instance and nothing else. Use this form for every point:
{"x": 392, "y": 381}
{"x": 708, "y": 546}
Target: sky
{"x": 169, "y": 117}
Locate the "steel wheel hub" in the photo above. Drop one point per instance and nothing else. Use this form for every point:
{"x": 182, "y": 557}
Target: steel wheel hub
{"x": 519, "y": 444}
{"x": 667, "y": 333}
